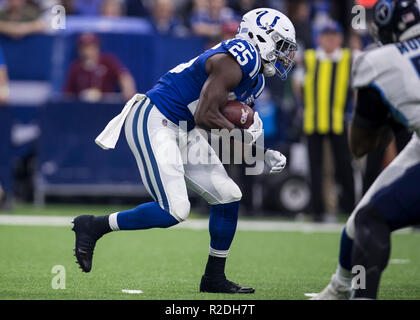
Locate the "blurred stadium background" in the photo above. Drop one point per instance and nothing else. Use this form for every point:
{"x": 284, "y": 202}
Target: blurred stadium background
{"x": 52, "y": 110}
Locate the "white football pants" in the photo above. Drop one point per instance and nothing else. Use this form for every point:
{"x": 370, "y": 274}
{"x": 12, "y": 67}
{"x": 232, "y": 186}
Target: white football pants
{"x": 171, "y": 159}
{"x": 407, "y": 158}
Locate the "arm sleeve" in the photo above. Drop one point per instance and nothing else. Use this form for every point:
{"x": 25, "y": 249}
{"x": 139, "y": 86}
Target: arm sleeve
{"x": 371, "y": 111}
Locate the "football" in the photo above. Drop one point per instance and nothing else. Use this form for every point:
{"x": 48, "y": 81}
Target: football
{"x": 240, "y": 114}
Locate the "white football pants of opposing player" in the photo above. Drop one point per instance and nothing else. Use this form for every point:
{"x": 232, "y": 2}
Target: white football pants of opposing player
{"x": 408, "y": 157}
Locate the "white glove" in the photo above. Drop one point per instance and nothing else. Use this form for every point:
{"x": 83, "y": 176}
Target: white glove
{"x": 256, "y": 128}
{"x": 275, "y": 160}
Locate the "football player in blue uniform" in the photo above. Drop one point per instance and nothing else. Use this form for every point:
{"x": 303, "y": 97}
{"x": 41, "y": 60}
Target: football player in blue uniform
{"x": 190, "y": 96}
{"x": 387, "y": 80}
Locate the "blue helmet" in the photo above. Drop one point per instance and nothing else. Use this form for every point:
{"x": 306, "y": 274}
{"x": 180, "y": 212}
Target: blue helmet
{"x": 396, "y": 20}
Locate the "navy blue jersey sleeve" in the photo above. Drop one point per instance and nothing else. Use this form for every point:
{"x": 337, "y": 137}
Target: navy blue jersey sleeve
{"x": 246, "y": 55}
{"x": 371, "y": 112}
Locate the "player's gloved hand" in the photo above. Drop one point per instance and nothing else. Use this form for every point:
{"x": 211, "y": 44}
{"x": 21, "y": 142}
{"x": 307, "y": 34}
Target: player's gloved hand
{"x": 275, "y": 160}
{"x": 255, "y": 129}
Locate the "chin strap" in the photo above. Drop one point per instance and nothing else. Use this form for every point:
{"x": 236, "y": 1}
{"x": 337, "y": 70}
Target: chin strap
{"x": 410, "y": 33}
{"x": 269, "y": 70}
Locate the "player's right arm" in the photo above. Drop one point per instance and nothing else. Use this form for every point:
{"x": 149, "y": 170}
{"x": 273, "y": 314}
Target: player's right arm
{"x": 370, "y": 126}
{"x": 224, "y": 75}
{"x": 369, "y": 129}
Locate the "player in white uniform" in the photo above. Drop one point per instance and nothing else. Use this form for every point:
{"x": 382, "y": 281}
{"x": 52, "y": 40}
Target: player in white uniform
{"x": 388, "y": 83}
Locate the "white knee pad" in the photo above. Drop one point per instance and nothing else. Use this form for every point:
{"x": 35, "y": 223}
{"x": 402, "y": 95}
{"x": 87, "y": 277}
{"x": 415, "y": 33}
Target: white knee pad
{"x": 228, "y": 191}
{"x": 180, "y": 209}
{"x": 350, "y": 229}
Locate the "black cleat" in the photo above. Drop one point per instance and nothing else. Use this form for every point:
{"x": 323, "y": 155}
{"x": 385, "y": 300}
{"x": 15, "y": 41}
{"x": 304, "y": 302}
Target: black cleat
{"x": 222, "y": 285}
{"x": 85, "y": 241}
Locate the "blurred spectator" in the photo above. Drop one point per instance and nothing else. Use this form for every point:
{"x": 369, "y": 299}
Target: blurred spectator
{"x": 327, "y": 96}
{"x": 243, "y": 6}
{"x": 280, "y": 5}
{"x": 4, "y": 81}
{"x": 199, "y": 8}
{"x": 321, "y": 17}
{"x": 208, "y": 18}
{"x": 136, "y": 8}
{"x": 164, "y": 21}
{"x": 19, "y": 11}
{"x": 94, "y": 73}
{"x": 20, "y": 18}
{"x": 87, "y": 7}
{"x": 69, "y": 6}
{"x": 229, "y": 29}
{"x": 355, "y": 42}
{"x": 301, "y": 17}
{"x": 112, "y": 8}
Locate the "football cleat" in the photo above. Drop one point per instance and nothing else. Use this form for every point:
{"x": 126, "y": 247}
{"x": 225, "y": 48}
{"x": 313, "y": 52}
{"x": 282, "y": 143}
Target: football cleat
{"x": 85, "y": 241}
{"x": 222, "y": 285}
{"x": 335, "y": 290}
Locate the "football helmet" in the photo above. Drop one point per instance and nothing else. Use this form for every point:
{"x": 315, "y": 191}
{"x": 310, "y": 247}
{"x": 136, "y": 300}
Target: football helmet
{"x": 395, "y": 20}
{"x": 274, "y": 36}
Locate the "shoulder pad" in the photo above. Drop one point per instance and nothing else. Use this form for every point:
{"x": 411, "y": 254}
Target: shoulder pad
{"x": 245, "y": 54}
{"x": 372, "y": 63}
{"x": 363, "y": 72}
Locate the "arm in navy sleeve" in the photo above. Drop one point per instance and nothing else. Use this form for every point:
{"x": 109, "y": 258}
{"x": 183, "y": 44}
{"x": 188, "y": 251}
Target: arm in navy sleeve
{"x": 370, "y": 127}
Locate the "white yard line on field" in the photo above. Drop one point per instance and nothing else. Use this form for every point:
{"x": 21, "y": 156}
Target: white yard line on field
{"x": 23, "y": 220}
{"x": 131, "y": 291}
{"x": 399, "y": 261}
{"x": 194, "y": 224}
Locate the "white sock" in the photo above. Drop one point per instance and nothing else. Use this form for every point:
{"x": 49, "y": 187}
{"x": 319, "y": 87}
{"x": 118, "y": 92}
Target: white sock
{"x": 343, "y": 275}
{"x": 113, "y": 224}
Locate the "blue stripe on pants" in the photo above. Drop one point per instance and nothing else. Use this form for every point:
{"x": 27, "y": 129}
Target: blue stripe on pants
{"x": 137, "y": 143}
{"x": 153, "y": 159}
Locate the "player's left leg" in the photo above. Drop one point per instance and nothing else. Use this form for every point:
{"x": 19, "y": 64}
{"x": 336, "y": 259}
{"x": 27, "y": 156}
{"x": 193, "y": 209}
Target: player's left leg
{"x": 209, "y": 179}
{"x": 343, "y": 171}
{"x": 394, "y": 207}
{"x": 155, "y": 148}
{"x": 340, "y": 284}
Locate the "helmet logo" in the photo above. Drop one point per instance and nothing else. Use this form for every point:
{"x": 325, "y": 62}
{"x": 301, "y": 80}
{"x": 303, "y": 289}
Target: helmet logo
{"x": 383, "y": 12}
{"x": 260, "y": 15}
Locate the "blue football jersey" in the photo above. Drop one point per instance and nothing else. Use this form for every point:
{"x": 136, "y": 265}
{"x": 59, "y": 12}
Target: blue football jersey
{"x": 257, "y": 90}
{"x": 176, "y": 93}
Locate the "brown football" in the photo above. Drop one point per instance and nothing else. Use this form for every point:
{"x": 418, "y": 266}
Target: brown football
{"x": 238, "y": 113}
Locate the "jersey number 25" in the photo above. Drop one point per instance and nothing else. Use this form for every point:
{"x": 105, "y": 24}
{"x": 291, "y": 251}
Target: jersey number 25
{"x": 242, "y": 54}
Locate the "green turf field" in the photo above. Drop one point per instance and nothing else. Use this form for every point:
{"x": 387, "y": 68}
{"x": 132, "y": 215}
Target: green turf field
{"x": 168, "y": 264}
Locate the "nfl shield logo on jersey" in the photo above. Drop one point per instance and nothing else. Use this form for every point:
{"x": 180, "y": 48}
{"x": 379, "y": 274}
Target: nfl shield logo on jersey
{"x": 164, "y": 122}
